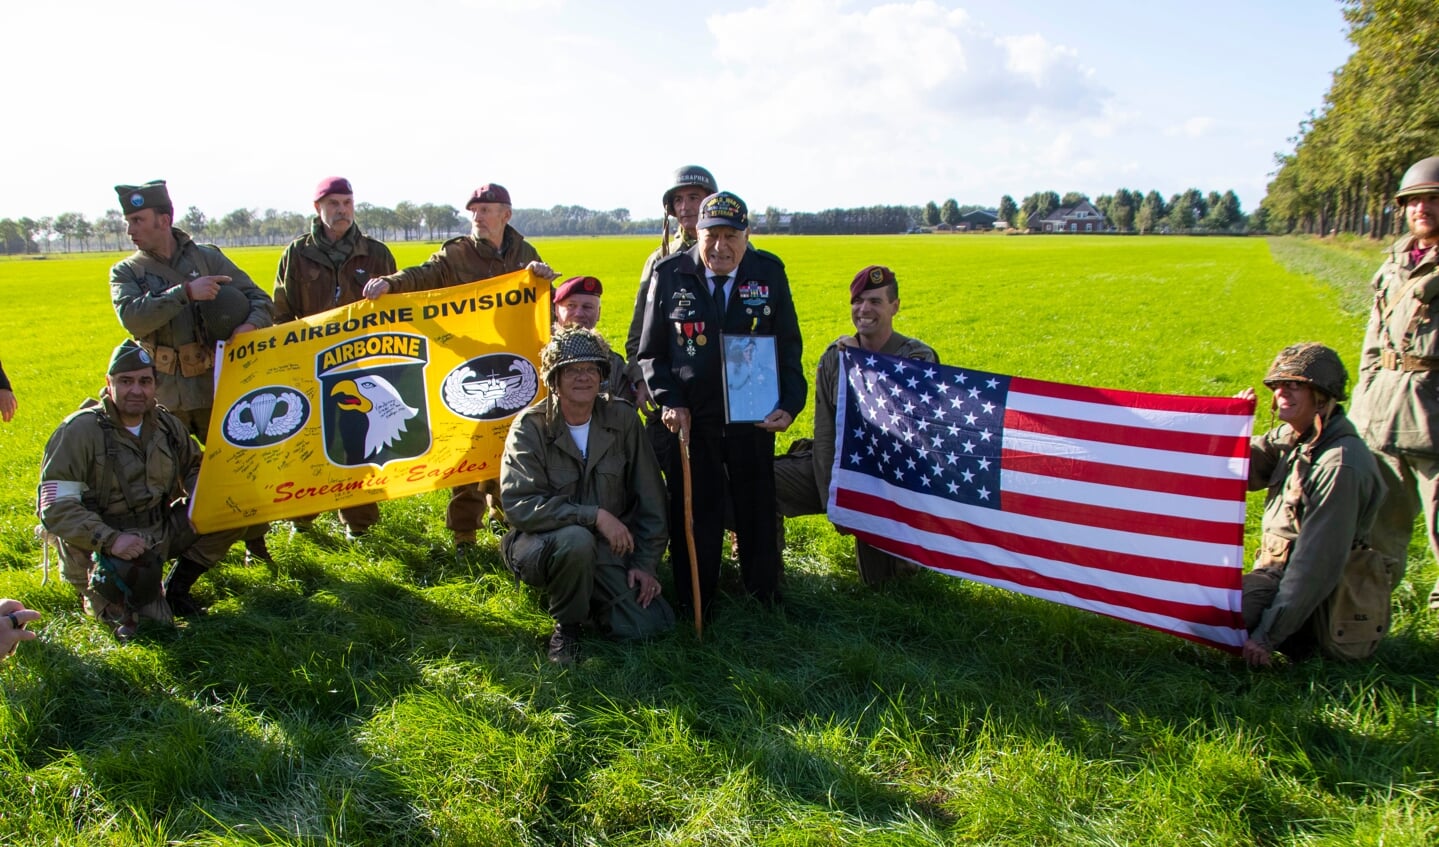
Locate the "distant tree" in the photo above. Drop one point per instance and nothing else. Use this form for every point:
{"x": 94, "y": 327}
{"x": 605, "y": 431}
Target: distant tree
{"x": 12, "y": 239}
{"x": 44, "y": 228}
{"x": 194, "y": 222}
{"x": 1224, "y": 213}
{"x": 407, "y": 217}
{"x": 931, "y": 214}
{"x": 1186, "y": 210}
{"x": 1121, "y": 209}
{"x": 29, "y": 227}
{"x": 375, "y": 221}
{"x": 1073, "y": 198}
{"x": 949, "y": 212}
{"x": 65, "y": 224}
{"x": 1007, "y": 210}
{"x": 1152, "y": 212}
{"x": 113, "y": 225}
{"x": 771, "y": 220}
{"x": 238, "y": 225}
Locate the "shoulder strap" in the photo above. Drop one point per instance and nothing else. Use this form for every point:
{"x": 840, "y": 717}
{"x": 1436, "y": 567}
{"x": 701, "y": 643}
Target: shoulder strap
{"x": 110, "y": 477}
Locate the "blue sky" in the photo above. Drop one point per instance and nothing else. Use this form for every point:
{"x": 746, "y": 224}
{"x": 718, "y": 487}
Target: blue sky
{"x": 803, "y": 105}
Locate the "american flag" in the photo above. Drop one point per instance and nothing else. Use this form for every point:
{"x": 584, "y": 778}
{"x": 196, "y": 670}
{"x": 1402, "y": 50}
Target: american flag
{"x": 1123, "y": 503}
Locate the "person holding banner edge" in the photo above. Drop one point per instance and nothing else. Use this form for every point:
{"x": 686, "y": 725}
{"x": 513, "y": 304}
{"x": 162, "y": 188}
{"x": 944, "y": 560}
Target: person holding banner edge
{"x": 492, "y": 248}
{"x": 802, "y": 475}
{"x": 1315, "y": 585}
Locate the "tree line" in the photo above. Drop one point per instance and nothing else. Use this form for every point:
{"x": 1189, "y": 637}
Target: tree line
{"x": 1128, "y": 211}
{"x": 1379, "y": 116}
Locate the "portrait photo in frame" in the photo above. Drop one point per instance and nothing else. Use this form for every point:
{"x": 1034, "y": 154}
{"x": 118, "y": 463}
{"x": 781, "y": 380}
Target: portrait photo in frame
{"x": 751, "y": 377}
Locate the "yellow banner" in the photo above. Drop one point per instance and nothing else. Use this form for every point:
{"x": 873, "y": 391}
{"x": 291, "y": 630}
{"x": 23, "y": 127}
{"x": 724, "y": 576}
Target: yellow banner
{"x": 371, "y": 401}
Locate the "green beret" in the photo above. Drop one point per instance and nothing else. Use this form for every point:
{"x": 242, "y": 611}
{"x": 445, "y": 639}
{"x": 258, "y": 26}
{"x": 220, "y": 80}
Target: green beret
{"x": 129, "y": 356}
{"x": 151, "y": 195}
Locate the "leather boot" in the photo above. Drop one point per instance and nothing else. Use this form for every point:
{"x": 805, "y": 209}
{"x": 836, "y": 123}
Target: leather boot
{"x": 177, "y": 589}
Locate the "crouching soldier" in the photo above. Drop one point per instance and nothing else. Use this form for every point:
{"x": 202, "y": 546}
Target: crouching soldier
{"x": 582, "y": 490}
{"x": 112, "y": 489}
{"x": 1316, "y": 584}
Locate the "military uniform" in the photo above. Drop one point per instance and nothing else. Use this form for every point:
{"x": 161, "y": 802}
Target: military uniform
{"x": 98, "y": 480}
{"x": 552, "y": 493}
{"x": 1396, "y": 401}
{"x": 149, "y": 296}
{"x": 802, "y": 476}
{"x": 1323, "y": 498}
{"x": 458, "y": 261}
{"x": 680, "y": 358}
{"x": 316, "y": 275}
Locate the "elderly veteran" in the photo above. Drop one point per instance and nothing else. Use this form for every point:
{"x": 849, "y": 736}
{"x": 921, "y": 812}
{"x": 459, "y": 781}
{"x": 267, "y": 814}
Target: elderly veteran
{"x": 577, "y": 303}
{"x": 493, "y": 248}
{"x": 325, "y": 269}
{"x": 1396, "y": 399}
{"x": 802, "y": 476}
{"x": 583, "y": 494}
{"x": 721, "y": 287}
{"x": 178, "y": 299}
{"x": 1315, "y": 583}
{"x": 113, "y": 484}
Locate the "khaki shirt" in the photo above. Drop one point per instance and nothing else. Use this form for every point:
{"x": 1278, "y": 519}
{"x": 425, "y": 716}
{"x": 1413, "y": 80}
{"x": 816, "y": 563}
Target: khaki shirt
{"x": 1397, "y": 410}
{"x": 150, "y": 472}
{"x": 546, "y": 484}
{"x": 466, "y": 259}
{"x": 1311, "y": 520}
{"x": 155, "y": 310}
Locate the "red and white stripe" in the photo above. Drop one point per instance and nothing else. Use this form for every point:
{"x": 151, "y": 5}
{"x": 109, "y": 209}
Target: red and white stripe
{"x": 1123, "y": 503}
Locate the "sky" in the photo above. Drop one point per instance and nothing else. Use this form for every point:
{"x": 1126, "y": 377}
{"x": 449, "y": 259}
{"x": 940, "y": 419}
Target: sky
{"x": 798, "y": 104}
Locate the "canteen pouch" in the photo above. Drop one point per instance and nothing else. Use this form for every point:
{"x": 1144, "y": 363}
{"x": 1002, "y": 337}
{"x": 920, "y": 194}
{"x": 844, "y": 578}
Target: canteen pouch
{"x": 1356, "y": 616}
{"x": 195, "y": 359}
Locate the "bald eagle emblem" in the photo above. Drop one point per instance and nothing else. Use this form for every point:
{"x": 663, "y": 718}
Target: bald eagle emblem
{"x": 490, "y": 387}
{"x": 371, "y": 417}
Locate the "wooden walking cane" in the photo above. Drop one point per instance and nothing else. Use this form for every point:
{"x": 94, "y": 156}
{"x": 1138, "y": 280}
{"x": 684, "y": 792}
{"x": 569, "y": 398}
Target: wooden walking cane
{"x": 690, "y": 533}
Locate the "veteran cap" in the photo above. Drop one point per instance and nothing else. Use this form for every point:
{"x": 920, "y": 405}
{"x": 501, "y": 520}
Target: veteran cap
{"x": 332, "y": 185}
{"x": 151, "y": 195}
{"x": 129, "y": 356}
{"x": 579, "y": 285}
{"x": 723, "y": 209}
{"x": 490, "y": 192}
{"x": 872, "y": 277}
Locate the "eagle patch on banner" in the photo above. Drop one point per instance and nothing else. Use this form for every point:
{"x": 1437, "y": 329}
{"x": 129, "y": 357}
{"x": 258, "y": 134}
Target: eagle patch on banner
{"x": 371, "y": 401}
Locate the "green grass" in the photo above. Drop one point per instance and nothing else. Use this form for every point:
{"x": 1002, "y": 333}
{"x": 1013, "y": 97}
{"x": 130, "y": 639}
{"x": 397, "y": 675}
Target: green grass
{"x": 377, "y": 694}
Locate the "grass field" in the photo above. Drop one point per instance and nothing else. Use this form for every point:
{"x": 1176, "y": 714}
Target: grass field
{"x": 377, "y": 694}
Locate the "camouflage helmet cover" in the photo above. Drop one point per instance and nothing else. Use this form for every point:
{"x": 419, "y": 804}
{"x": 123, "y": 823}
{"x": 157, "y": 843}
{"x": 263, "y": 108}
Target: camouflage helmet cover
{"x": 1312, "y": 363}
{"x": 573, "y": 344}
{"x": 685, "y": 177}
{"x": 1421, "y": 178}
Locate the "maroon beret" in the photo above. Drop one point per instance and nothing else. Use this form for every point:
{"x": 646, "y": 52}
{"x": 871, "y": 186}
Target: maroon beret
{"x": 872, "y": 277}
{"x": 332, "y": 185}
{"x": 489, "y": 193}
{"x": 578, "y": 285}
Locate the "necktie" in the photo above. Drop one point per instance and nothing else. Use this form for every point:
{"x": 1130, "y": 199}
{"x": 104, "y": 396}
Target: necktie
{"x": 719, "y": 284}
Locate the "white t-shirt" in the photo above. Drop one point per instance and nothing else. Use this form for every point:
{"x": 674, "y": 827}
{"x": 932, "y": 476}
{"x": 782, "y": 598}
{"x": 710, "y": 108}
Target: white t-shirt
{"x": 581, "y": 435}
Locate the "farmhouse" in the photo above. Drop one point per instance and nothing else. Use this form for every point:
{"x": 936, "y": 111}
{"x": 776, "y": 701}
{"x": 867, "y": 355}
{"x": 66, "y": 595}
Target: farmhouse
{"x": 1082, "y": 217}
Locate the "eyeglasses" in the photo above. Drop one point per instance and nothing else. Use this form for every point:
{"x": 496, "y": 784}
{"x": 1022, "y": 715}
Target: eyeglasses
{"x": 573, "y": 371}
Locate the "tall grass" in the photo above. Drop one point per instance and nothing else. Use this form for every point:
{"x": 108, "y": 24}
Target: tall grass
{"x": 377, "y": 693}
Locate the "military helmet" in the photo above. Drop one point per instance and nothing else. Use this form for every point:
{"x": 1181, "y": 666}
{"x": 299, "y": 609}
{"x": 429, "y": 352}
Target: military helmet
{"x": 574, "y": 344}
{"x": 1312, "y": 363}
{"x": 219, "y": 317}
{"x": 1421, "y": 178}
{"x": 125, "y": 582}
{"x": 687, "y": 176}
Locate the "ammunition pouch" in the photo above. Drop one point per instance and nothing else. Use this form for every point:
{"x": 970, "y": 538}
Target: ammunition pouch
{"x": 165, "y": 358}
{"x": 196, "y": 359}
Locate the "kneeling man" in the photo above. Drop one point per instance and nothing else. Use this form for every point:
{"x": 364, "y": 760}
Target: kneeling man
{"x": 113, "y": 484}
{"x": 1315, "y": 584}
{"x": 582, "y": 490}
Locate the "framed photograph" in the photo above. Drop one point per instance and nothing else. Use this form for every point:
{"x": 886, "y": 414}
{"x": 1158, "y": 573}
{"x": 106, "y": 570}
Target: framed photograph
{"x": 751, "y": 377}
